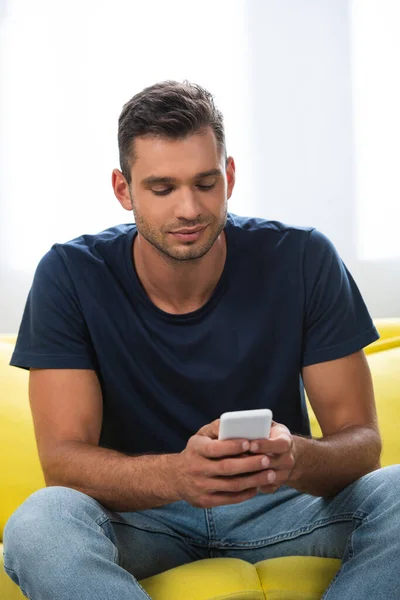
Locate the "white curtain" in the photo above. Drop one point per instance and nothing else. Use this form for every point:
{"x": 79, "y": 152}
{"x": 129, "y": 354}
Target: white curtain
{"x": 66, "y": 70}
{"x": 375, "y": 39}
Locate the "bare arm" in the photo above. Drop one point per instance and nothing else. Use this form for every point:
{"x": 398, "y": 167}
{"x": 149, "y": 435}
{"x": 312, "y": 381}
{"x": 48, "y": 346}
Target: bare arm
{"x": 66, "y": 406}
{"x": 342, "y": 397}
{"x": 341, "y": 394}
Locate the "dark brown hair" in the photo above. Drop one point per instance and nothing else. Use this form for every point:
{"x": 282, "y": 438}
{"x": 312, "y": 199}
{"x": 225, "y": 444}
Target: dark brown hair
{"x": 167, "y": 109}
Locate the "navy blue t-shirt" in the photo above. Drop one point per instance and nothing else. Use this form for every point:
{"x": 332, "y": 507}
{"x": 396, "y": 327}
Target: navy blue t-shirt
{"x": 285, "y": 300}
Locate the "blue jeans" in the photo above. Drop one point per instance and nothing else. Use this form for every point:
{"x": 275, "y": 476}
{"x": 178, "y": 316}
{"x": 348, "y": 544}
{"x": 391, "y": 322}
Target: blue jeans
{"x": 61, "y": 544}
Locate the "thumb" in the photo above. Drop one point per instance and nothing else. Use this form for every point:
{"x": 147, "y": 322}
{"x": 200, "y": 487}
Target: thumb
{"x": 210, "y": 430}
{"x": 280, "y": 431}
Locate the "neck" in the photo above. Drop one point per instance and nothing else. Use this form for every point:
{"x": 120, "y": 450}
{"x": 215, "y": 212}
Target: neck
{"x": 175, "y": 286}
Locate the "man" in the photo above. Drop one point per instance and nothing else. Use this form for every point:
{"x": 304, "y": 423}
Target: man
{"x": 138, "y": 338}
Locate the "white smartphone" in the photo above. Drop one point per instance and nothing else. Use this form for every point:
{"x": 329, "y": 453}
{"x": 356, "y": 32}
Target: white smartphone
{"x": 248, "y": 424}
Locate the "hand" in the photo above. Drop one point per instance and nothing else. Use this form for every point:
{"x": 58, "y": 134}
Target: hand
{"x": 279, "y": 449}
{"x": 211, "y": 472}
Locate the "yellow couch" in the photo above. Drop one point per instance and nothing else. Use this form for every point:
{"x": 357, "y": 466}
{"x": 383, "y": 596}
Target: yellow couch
{"x": 287, "y": 578}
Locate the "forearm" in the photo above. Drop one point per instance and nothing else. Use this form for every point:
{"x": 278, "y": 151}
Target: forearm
{"x": 117, "y": 481}
{"x": 323, "y": 467}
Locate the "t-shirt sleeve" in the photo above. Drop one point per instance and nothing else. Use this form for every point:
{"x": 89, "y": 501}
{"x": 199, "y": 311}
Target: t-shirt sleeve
{"x": 53, "y": 334}
{"x": 337, "y": 322}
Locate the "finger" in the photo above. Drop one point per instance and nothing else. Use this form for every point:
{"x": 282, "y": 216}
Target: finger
{"x": 211, "y": 448}
{"x": 282, "y": 462}
{"x": 281, "y": 478}
{"x": 210, "y": 430}
{"x": 221, "y": 498}
{"x": 229, "y": 467}
{"x": 241, "y": 483}
{"x": 278, "y": 445}
{"x": 279, "y": 429}
{"x": 269, "y": 489}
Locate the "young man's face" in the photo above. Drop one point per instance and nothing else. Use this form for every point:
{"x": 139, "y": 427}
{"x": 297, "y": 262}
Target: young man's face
{"x": 179, "y": 191}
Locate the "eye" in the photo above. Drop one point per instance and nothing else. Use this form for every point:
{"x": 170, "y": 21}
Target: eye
{"x": 205, "y": 188}
{"x": 162, "y": 192}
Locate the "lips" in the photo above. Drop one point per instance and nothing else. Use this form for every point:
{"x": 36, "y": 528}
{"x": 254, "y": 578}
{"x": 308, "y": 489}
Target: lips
{"x": 188, "y": 230}
{"x": 188, "y": 235}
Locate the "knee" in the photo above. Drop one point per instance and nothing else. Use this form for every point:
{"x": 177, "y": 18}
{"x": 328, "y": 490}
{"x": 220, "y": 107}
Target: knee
{"x": 384, "y": 482}
{"x": 39, "y": 519}
{"x": 387, "y": 476}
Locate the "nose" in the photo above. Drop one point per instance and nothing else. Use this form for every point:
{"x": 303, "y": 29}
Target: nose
{"x": 188, "y": 207}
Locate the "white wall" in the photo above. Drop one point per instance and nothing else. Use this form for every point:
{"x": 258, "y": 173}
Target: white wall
{"x": 303, "y": 142}
{"x": 66, "y": 69}
{"x": 301, "y": 161}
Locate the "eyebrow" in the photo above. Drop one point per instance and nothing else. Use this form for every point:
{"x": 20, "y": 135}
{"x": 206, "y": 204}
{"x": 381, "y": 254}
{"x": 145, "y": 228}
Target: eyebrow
{"x": 153, "y": 179}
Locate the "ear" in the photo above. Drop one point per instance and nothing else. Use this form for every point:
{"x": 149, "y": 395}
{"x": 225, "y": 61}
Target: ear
{"x": 230, "y": 175}
{"x": 121, "y": 189}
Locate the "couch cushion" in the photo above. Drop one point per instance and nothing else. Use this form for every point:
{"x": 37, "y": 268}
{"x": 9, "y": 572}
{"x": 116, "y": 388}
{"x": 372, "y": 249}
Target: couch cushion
{"x": 8, "y": 589}
{"x": 205, "y": 579}
{"x": 383, "y": 344}
{"x": 296, "y": 577}
{"x": 385, "y": 370}
{"x": 20, "y": 471}
{"x": 289, "y": 578}
{"x": 8, "y": 338}
{"x": 387, "y": 327}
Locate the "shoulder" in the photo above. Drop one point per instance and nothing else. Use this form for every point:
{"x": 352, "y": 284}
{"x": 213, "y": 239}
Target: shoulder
{"x": 98, "y": 243}
{"x": 100, "y": 247}
{"x": 267, "y": 233}
{"x": 78, "y": 259}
